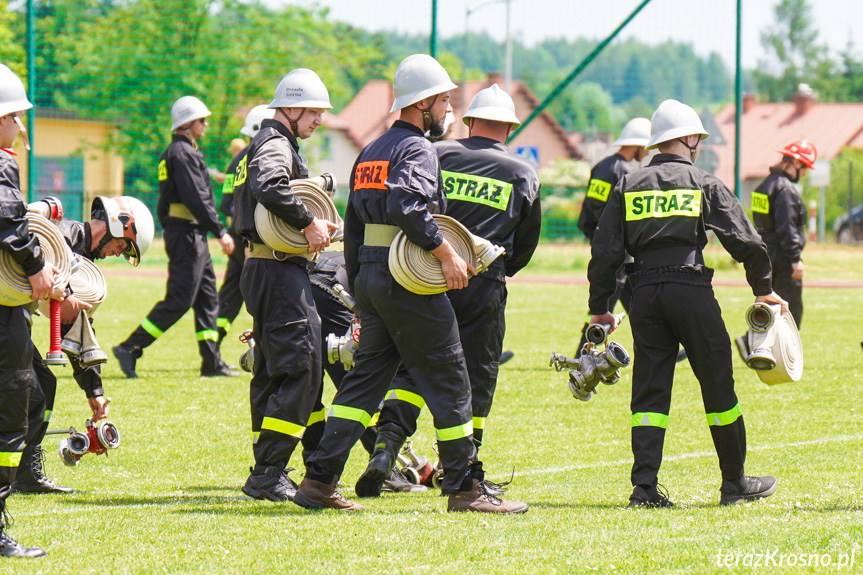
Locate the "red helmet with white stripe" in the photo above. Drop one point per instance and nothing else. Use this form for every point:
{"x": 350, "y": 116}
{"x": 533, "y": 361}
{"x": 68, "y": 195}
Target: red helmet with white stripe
{"x": 802, "y": 150}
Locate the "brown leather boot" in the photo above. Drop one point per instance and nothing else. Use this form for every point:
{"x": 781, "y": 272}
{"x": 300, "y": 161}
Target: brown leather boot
{"x": 316, "y": 495}
{"x": 479, "y": 500}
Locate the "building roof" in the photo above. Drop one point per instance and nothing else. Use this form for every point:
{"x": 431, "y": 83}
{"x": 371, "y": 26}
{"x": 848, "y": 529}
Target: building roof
{"x": 767, "y": 127}
{"x": 368, "y": 115}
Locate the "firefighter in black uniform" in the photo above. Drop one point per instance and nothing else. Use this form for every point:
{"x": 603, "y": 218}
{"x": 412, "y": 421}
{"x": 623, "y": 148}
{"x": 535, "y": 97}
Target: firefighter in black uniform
{"x": 603, "y": 177}
{"x": 779, "y": 215}
{"x": 275, "y": 285}
{"x": 495, "y": 193}
{"x": 230, "y": 297}
{"x": 187, "y": 211}
{"x": 396, "y": 186}
{"x": 119, "y": 226}
{"x": 660, "y": 215}
{"x": 19, "y": 391}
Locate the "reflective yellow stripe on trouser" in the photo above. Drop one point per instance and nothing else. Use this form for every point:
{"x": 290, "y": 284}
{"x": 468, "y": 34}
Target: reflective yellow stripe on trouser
{"x": 478, "y": 422}
{"x": 725, "y": 417}
{"x": 407, "y": 396}
{"x": 351, "y": 413}
{"x": 223, "y": 323}
{"x": 210, "y": 334}
{"x": 457, "y": 432}
{"x": 10, "y": 458}
{"x": 48, "y": 414}
{"x": 647, "y": 419}
{"x": 151, "y": 328}
{"x": 283, "y": 427}
{"x": 317, "y": 417}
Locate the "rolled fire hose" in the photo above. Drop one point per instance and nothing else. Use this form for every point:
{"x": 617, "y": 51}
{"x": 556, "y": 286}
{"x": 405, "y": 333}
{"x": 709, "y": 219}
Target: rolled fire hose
{"x": 88, "y": 285}
{"x": 420, "y": 272}
{"x": 776, "y": 351}
{"x": 14, "y": 286}
{"x": 315, "y": 195}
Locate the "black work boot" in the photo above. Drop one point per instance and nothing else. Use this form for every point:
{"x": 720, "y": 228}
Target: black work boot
{"x": 396, "y": 482}
{"x": 747, "y": 489}
{"x": 127, "y": 358}
{"x": 649, "y": 496}
{"x": 270, "y": 483}
{"x": 31, "y": 475}
{"x": 8, "y": 546}
{"x": 220, "y": 370}
{"x": 505, "y": 356}
{"x": 387, "y": 446}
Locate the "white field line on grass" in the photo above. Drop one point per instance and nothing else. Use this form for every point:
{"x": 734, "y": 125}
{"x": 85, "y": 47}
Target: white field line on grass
{"x": 680, "y": 456}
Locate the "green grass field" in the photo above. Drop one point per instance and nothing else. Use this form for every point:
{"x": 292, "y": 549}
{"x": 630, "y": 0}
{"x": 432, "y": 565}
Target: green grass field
{"x": 169, "y": 500}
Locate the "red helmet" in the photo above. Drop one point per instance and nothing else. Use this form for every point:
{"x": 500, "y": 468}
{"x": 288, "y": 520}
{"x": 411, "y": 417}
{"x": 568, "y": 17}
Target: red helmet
{"x": 802, "y": 150}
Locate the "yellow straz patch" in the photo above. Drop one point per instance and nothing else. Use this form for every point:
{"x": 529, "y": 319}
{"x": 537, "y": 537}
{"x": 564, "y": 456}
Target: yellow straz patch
{"x": 163, "y": 171}
{"x": 598, "y": 190}
{"x": 476, "y": 189}
{"x": 662, "y": 204}
{"x": 760, "y": 203}
{"x": 242, "y": 172}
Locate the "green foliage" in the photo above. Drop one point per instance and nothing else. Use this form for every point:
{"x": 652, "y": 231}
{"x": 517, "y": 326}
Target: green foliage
{"x": 11, "y": 52}
{"x": 565, "y": 173}
{"x": 836, "y": 195}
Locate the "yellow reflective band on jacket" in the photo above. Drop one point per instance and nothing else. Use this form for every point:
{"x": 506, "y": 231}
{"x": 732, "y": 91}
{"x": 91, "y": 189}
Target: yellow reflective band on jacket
{"x": 47, "y": 417}
{"x": 283, "y": 427}
{"x": 598, "y": 190}
{"x": 478, "y": 422}
{"x": 209, "y": 334}
{"x": 228, "y": 185}
{"x": 317, "y": 417}
{"x": 10, "y": 458}
{"x": 457, "y": 432}
{"x": 725, "y": 417}
{"x": 223, "y": 323}
{"x": 151, "y": 328}
{"x": 476, "y": 189}
{"x": 406, "y": 396}
{"x": 374, "y": 420}
{"x": 163, "y": 171}
{"x": 351, "y": 413}
{"x": 256, "y": 435}
{"x": 662, "y": 204}
{"x": 760, "y": 203}
{"x": 647, "y": 419}
{"x": 242, "y": 172}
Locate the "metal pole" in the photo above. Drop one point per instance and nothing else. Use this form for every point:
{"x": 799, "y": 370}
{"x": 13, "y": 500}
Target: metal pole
{"x": 507, "y": 77}
{"x": 821, "y": 216}
{"x": 31, "y": 92}
{"x": 433, "y": 38}
{"x": 738, "y": 104}
{"x": 578, "y": 70}
{"x": 851, "y": 225}
{"x": 463, "y": 88}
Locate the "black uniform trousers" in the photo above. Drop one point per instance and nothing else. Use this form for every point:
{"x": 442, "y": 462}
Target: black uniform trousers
{"x": 191, "y": 284}
{"x": 400, "y": 326}
{"x": 665, "y": 315}
{"x": 20, "y": 395}
{"x": 479, "y": 311}
{"x": 230, "y": 297}
{"x": 788, "y": 288}
{"x": 287, "y": 374}
{"x": 335, "y": 319}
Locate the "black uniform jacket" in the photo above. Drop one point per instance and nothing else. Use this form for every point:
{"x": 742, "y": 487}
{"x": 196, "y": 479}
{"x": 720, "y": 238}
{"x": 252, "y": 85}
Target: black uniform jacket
{"x": 183, "y": 179}
{"x": 79, "y": 237}
{"x": 495, "y": 193}
{"x": 227, "y": 204}
{"x": 264, "y": 175}
{"x": 396, "y": 181}
{"x": 603, "y": 177}
{"x": 671, "y": 203}
{"x": 15, "y": 236}
{"x": 780, "y": 216}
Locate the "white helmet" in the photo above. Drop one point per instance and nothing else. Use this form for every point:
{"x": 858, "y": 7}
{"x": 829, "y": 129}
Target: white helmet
{"x": 13, "y": 98}
{"x": 492, "y": 104}
{"x": 672, "y": 120}
{"x": 636, "y": 132}
{"x": 418, "y": 77}
{"x": 301, "y": 88}
{"x": 254, "y": 118}
{"x": 128, "y": 218}
{"x": 187, "y": 109}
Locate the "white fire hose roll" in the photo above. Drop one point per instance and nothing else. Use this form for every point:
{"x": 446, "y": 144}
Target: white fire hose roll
{"x": 776, "y": 352}
{"x": 14, "y": 285}
{"x": 420, "y": 272}
{"x": 88, "y": 285}
{"x": 314, "y": 193}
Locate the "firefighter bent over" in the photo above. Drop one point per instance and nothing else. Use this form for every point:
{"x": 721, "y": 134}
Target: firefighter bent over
{"x": 495, "y": 193}
{"x": 396, "y": 186}
{"x": 660, "y": 215}
{"x": 187, "y": 211}
{"x": 275, "y": 285}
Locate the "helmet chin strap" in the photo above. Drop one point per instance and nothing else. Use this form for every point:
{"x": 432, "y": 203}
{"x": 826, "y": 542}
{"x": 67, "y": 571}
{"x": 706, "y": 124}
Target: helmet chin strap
{"x": 428, "y": 121}
{"x": 294, "y": 128}
{"x": 692, "y": 149}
